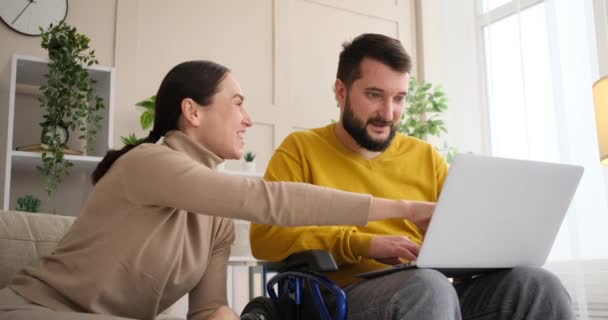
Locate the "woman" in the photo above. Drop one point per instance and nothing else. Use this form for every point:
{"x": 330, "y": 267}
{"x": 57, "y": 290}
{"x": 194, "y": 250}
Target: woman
{"x": 158, "y": 222}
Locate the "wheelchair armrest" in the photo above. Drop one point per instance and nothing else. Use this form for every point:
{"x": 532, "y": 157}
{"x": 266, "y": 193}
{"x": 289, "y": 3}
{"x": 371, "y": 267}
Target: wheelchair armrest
{"x": 310, "y": 260}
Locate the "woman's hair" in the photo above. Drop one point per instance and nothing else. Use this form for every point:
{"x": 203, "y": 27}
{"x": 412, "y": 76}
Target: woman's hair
{"x": 197, "y": 80}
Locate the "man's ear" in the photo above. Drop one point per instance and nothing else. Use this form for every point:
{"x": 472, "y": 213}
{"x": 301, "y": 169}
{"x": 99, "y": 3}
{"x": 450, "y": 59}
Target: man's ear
{"x": 340, "y": 93}
{"x": 191, "y": 113}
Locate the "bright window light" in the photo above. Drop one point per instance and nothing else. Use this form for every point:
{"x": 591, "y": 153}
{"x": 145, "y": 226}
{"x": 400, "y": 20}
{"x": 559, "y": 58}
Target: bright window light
{"x": 520, "y": 94}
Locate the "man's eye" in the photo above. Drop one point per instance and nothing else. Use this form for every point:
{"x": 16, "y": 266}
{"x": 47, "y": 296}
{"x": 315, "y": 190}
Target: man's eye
{"x": 373, "y": 94}
{"x": 400, "y": 99}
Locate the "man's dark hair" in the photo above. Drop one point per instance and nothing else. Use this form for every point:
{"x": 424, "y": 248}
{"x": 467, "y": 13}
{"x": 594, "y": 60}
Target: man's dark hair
{"x": 379, "y": 47}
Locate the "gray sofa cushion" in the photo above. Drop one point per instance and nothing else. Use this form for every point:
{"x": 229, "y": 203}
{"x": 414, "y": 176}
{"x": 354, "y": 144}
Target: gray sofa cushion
{"x": 25, "y": 237}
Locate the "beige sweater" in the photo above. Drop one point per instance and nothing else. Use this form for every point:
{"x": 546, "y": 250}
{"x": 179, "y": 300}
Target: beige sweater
{"x": 156, "y": 227}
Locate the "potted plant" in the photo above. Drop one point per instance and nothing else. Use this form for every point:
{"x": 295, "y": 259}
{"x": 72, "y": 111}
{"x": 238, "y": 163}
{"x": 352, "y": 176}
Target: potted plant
{"x": 69, "y": 99}
{"x": 28, "y": 203}
{"x": 421, "y": 118}
{"x": 249, "y": 165}
{"x": 146, "y": 119}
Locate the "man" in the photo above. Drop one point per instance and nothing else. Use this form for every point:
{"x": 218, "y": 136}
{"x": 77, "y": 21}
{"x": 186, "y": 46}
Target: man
{"x": 362, "y": 152}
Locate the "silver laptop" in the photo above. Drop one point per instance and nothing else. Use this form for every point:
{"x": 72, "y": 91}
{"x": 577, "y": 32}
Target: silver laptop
{"x": 495, "y": 213}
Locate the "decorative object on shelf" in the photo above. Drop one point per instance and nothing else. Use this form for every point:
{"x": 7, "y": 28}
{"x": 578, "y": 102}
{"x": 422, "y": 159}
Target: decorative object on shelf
{"x": 600, "y": 97}
{"x": 28, "y": 203}
{"x": 146, "y": 119}
{"x": 69, "y": 99}
{"x": 28, "y": 16}
{"x": 49, "y": 131}
{"x": 249, "y": 165}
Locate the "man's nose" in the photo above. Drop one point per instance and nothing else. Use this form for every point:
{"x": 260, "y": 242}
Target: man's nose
{"x": 386, "y": 112}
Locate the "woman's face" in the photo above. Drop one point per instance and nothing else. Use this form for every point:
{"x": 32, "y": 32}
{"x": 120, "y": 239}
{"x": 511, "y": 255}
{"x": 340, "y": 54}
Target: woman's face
{"x": 225, "y": 121}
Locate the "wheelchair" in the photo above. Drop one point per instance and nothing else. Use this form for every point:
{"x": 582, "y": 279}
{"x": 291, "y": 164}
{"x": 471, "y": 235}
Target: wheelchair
{"x": 299, "y": 277}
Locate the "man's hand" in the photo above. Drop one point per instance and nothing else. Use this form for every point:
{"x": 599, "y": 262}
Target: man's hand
{"x": 388, "y": 249}
{"x": 420, "y": 213}
{"x": 223, "y": 313}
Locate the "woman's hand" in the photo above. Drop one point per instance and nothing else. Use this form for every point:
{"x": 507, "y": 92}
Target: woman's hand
{"x": 420, "y": 213}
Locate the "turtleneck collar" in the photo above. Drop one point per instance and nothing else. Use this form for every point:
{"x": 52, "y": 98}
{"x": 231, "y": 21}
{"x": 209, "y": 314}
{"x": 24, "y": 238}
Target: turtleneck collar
{"x": 179, "y": 141}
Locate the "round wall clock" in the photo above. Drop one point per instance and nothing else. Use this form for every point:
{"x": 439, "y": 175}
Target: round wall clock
{"x": 27, "y": 16}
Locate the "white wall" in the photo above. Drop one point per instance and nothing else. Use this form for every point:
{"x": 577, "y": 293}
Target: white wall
{"x": 284, "y": 52}
{"x": 450, "y": 55}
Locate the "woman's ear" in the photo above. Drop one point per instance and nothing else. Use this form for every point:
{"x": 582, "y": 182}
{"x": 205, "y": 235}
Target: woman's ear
{"x": 191, "y": 113}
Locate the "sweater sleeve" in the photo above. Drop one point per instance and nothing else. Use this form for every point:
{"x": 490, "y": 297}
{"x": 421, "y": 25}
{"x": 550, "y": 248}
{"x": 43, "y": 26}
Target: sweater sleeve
{"x": 158, "y": 176}
{"x": 274, "y": 243}
{"x": 211, "y": 293}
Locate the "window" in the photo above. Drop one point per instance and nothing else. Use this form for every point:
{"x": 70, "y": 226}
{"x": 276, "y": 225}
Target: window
{"x": 518, "y": 81}
{"x": 489, "y": 5}
{"x": 538, "y": 70}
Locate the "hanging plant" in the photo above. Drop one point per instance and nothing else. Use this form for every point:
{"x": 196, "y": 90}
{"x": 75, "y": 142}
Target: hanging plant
{"x": 69, "y": 99}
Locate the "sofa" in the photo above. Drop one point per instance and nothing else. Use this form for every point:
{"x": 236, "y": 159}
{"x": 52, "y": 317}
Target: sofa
{"x": 25, "y": 237}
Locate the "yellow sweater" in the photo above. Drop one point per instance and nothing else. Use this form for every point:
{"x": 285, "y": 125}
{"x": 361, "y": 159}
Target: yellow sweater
{"x": 409, "y": 169}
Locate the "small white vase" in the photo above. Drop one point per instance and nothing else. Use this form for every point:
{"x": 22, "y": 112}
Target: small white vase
{"x": 249, "y": 166}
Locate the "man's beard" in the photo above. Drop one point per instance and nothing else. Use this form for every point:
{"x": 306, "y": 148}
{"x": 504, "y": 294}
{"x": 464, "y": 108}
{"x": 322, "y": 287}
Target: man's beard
{"x": 358, "y": 130}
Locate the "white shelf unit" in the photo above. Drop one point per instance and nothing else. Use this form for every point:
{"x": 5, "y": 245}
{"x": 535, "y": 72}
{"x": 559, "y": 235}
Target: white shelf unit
{"x": 24, "y": 118}
{"x": 259, "y": 175}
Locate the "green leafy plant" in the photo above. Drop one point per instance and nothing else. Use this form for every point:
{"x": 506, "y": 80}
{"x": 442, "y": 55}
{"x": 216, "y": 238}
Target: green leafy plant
{"x": 249, "y": 156}
{"x": 425, "y": 105}
{"x": 131, "y": 139}
{"x": 28, "y": 203}
{"x": 146, "y": 119}
{"x": 69, "y": 98}
{"x": 421, "y": 118}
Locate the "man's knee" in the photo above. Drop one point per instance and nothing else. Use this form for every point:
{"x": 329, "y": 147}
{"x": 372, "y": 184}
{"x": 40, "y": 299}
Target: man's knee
{"x": 426, "y": 294}
{"x": 536, "y": 277}
{"x": 538, "y": 282}
{"x": 430, "y": 286}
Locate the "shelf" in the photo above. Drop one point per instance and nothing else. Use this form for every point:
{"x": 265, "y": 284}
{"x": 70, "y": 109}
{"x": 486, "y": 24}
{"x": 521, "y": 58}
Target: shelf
{"x": 29, "y": 90}
{"x": 244, "y": 173}
{"x": 243, "y": 260}
{"x": 33, "y": 69}
{"x": 27, "y": 74}
{"x": 27, "y": 161}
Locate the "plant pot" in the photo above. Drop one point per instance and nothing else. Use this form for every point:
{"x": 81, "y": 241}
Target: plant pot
{"x": 249, "y": 166}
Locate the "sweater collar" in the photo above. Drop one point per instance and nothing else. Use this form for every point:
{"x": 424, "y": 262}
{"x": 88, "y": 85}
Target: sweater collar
{"x": 178, "y": 141}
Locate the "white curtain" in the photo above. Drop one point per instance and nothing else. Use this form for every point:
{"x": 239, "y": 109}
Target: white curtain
{"x": 580, "y": 254}
{"x": 575, "y": 68}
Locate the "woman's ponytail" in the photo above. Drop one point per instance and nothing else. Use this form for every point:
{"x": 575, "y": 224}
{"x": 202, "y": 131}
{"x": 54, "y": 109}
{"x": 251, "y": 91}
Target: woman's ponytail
{"x": 113, "y": 155}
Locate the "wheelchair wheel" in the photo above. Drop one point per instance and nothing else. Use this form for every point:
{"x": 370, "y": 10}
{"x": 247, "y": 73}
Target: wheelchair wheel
{"x": 260, "y": 308}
